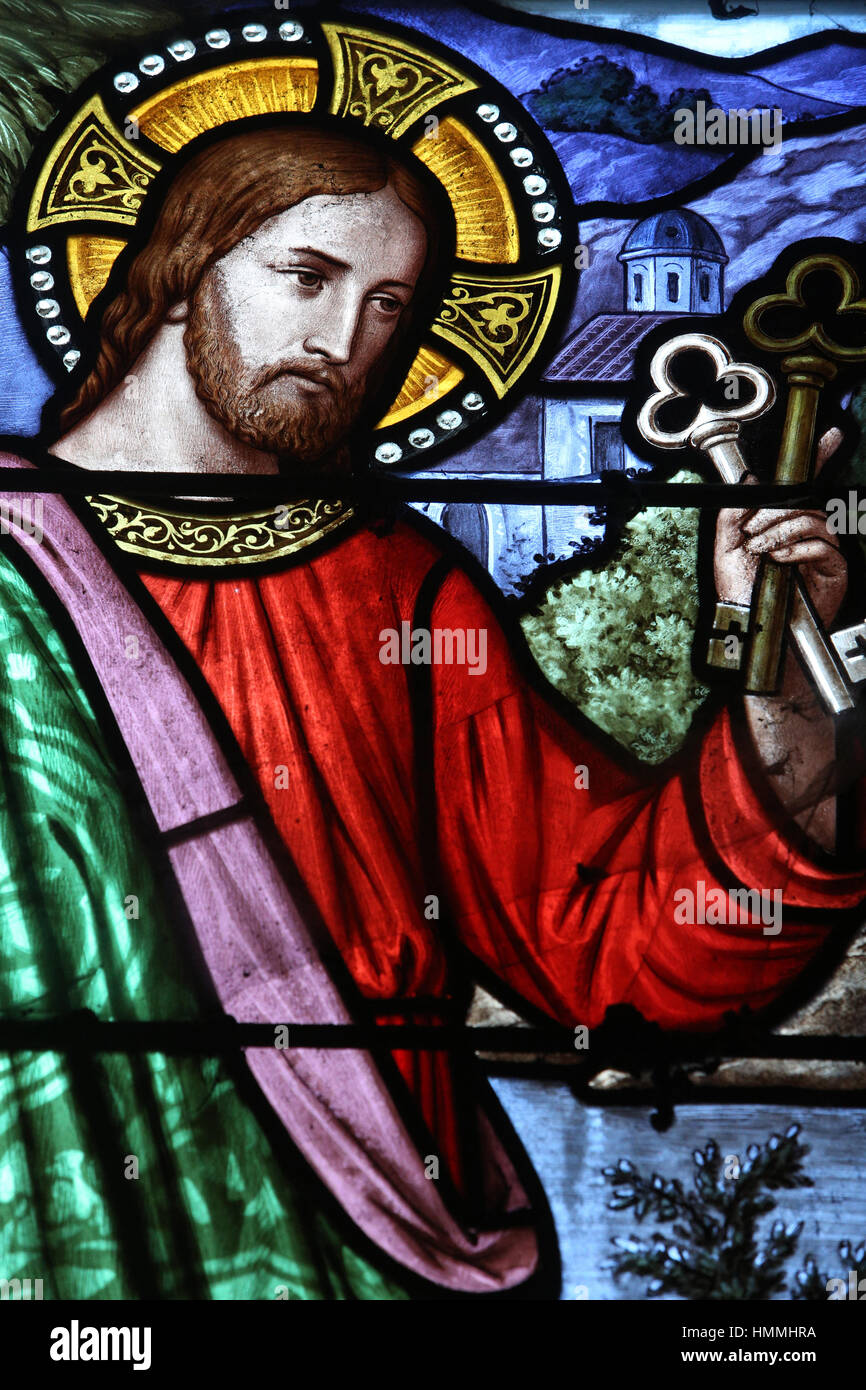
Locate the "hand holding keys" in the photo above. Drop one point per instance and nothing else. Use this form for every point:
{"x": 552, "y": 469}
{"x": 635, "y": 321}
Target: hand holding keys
{"x": 716, "y": 431}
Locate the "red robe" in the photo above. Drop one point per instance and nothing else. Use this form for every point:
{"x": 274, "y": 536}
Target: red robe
{"x": 565, "y": 893}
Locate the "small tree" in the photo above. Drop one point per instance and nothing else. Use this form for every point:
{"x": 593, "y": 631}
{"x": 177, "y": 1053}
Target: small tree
{"x": 601, "y": 95}
{"x": 714, "y": 1250}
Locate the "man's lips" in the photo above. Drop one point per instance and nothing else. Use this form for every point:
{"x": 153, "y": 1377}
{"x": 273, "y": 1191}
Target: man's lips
{"x": 308, "y": 382}
{"x": 307, "y": 377}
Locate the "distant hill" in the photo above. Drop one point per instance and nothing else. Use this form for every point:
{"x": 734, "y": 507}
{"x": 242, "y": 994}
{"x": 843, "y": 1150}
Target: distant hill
{"x": 601, "y": 95}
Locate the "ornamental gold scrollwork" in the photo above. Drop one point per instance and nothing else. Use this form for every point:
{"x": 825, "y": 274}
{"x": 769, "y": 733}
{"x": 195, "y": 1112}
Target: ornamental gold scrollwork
{"x": 102, "y": 178}
{"x": 92, "y": 172}
{"x": 378, "y": 75}
{"x": 499, "y": 323}
{"x": 193, "y": 539}
{"x": 386, "y": 83}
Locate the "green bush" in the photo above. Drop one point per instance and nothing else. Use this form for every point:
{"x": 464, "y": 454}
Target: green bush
{"x": 714, "y": 1250}
{"x": 718, "y": 1245}
{"x": 617, "y": 641}
{"x": 599, "y": 95}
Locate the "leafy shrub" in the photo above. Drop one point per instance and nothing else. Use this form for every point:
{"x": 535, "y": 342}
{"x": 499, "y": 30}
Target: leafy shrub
{"x": 714, "y": 1250}
{"x": 597, "y": 94}
{"x": 617, "y": 641}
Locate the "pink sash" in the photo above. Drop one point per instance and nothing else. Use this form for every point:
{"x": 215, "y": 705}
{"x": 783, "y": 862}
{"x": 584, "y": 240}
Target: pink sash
{"x": 261, "y": 956}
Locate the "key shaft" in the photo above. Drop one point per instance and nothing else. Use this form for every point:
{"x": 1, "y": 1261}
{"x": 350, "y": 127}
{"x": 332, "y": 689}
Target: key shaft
{"x": 777, "y": 604}
{"x": 811, "y": 356}
{"x": 719, "y": 440}
{"x": 806, "y": 377}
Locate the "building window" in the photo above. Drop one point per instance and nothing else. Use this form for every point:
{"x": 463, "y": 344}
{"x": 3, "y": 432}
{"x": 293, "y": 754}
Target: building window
{"x": 673, "y": 286}
{"x": 638, "y": 287}
{"x": 467, "y": 522}
{"x": 608, "y": 451}
{"x": 705, "y": 286}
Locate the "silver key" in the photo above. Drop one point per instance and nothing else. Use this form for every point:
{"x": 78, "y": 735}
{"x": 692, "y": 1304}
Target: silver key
{"x": 716, "y": 432}
{"x": 850, "y": 643}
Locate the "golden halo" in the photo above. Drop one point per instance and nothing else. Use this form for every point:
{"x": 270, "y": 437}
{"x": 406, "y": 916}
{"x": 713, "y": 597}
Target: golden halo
{"x": 509, "y": 199}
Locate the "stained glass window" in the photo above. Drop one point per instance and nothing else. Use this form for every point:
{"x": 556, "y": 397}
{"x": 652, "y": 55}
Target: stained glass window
{"x": 430, "y": 782}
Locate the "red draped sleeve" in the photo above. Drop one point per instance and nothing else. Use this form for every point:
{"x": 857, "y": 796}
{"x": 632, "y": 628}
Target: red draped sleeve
{"x": 567, "y": 892}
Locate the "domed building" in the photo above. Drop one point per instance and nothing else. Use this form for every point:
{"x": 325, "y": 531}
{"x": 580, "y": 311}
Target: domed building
{"x": 674, "y": 263}
{"x": 570, "y": 427}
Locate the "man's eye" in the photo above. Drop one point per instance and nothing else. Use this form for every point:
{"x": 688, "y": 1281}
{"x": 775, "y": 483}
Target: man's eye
{"x": 387, "y": 304}
{"x": 307, "y": 279}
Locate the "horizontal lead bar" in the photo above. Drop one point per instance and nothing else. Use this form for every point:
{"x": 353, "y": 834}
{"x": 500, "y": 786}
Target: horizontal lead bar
{"x": 86, "y": 1035}
{"x": 177, "y": 489}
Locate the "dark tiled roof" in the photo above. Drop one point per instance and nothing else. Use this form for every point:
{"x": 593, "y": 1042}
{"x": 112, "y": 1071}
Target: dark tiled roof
{"x": 603, "y": 349}
{"x": 679, "y": 229}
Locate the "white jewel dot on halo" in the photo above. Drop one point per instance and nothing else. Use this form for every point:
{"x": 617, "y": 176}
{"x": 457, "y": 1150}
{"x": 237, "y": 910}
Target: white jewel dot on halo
{"x": 473, "y": 401}
{"x": 549, "y": 238}
{"x": 534, "y": 185}
{"x": 47, "y": 308}
{"x": 389, "y": 453}
{"x": 291, "y": 31}
{"x": 152, "y": 65}
{"x": 57, "y": 335}
{"x": 505, "y": 131}
{"x": 182, "y": 49}
{"x": 543, "y": 212}
{"x": 39, "y": 255}
{"x": 254, "y": 33}
{"x": 422, "y": 439}
{"x": 521, "y": 156}
{"x": 449, "y": 419}
{"x": 217, "y": 38}
{"x": 126, "y": 81}
{"x": 488, "y": 112}
{"x": 42, "y": 281}
{"x": 70, "y": 359}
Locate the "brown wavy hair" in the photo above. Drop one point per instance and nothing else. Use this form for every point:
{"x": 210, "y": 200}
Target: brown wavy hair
{"x": 223, "y": 194}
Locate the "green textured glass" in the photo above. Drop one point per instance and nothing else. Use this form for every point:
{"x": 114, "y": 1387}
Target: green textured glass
{"x": 214, "y": 1211}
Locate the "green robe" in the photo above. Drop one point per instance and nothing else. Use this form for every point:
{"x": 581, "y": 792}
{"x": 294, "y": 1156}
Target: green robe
{"x": 214, "y": 1211}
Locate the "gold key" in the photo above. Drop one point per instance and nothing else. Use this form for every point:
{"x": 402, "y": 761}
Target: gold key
{"x": 811, "y": 359}
{"x": 716, "y": 433}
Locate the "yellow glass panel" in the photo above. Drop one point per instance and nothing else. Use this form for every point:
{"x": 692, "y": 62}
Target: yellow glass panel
{"x": 483, "y": 210}
{"x": 499, "y": 320}
{"x": 92, "y": 172}
{"x": 254, "y": 87}
{"x": 430, "y": 378}
{"x": 90, "y": 259}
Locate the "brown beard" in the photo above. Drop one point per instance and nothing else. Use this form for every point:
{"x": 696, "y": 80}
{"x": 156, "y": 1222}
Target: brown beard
{"x": 243, "y": 403}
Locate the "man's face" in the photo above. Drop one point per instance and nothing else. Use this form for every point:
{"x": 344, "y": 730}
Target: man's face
{"x": 286, "y": 328}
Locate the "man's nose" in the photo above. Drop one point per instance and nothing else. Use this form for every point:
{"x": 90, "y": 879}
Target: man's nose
{"x": 335, "y": 326}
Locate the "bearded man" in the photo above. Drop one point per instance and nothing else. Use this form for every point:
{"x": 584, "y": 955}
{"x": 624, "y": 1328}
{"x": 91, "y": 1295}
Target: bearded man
{"x": 413, "y": 827}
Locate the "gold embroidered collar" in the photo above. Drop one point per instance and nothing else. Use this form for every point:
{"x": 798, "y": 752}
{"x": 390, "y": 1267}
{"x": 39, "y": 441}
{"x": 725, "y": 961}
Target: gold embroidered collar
{"x": 191, "y": 538}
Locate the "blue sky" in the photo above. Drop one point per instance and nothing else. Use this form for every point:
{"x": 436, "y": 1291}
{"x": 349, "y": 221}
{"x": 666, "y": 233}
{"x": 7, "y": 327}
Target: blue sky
{"x": 691, "y": 24}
